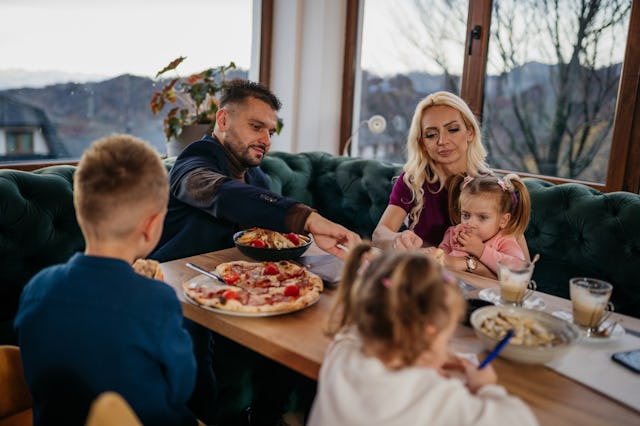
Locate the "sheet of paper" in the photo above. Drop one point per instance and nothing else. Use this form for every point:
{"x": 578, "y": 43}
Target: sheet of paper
{"x": 591, "y": 365}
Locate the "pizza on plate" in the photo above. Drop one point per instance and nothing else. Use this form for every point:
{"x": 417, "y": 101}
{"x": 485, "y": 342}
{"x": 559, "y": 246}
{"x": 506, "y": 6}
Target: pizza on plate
{"x": 257, "y": 287}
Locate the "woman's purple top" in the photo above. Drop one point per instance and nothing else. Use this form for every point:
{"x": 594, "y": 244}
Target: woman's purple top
{"x": 434, "y": 219}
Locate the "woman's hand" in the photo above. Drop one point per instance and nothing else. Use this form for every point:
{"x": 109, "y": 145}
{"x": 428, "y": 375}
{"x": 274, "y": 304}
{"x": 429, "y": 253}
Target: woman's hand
{"x": 407, "y": 240}
{"x": 454, "y": 263}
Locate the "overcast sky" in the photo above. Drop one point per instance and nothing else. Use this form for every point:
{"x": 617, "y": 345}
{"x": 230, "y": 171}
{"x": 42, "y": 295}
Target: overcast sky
{"x": 107, "y": 38}
{"x": 113, "y": 37}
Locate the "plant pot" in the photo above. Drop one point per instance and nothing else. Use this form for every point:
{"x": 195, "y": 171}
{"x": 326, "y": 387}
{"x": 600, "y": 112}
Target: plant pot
{"x": 190, "y": 133}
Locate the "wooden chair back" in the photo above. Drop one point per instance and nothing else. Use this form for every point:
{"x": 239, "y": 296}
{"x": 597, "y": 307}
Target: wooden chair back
{"x": 15, "y": 398}
{"x": 111, "y": 409}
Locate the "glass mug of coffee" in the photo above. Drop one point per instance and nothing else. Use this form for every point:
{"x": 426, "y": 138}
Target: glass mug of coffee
{"x": 515, "y": 280}
{"x": 590, "y": 302}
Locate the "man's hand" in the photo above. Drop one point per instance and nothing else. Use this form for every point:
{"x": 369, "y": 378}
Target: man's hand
{"x": 330, "y": 236}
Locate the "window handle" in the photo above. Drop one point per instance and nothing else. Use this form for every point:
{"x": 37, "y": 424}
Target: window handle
{"x": 474, "y": 34}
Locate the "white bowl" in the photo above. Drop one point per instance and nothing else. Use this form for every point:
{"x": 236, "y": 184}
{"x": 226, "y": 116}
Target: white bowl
{"x": 566, "y": 332}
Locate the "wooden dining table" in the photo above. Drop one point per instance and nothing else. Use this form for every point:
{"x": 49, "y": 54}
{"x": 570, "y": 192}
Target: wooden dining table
{"x": 298, "y": 341}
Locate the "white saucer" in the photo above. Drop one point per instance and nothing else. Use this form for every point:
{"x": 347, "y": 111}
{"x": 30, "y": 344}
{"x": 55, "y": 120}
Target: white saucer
{"x": 616, "y": 333}
{"x": 493, "y": 295}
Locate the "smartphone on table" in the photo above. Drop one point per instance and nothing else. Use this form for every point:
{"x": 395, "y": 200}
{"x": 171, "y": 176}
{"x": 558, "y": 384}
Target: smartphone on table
{"x": 629, "y": 359}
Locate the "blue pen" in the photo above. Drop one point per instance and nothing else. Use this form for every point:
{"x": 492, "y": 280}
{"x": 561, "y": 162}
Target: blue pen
{"x": 494, "y": 353}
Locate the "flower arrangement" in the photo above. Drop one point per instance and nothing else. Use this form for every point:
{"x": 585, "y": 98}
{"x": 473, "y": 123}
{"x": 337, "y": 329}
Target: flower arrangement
{"x": 194, "y": 97}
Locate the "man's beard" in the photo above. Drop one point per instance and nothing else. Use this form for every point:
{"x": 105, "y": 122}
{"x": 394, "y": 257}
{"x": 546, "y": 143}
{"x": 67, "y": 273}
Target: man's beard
{"x": 243, "y": 155}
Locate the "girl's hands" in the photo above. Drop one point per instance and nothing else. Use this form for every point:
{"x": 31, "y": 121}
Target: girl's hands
{"x": 478, "y": 378}
{"x": 453, "y": 366}
{"x": 470, "y": 243}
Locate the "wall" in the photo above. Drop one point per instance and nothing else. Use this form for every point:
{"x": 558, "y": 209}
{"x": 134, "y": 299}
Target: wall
{"x": 307, "y": 60}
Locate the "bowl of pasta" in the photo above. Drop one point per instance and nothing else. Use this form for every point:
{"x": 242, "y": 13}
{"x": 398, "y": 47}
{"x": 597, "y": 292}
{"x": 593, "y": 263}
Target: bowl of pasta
{"x": 538, "y": 337}
{"x": 265, "y": 244}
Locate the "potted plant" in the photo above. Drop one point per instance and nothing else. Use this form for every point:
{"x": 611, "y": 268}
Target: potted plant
{"x": 195, "y": 100}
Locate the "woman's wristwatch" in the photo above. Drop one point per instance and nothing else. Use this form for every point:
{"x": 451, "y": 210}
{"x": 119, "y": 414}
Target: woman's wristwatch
{"x": 472, "y": 263}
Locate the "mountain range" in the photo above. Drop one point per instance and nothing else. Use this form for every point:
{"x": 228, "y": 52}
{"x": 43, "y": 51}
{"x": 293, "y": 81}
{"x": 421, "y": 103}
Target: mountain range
{"x": 16, "y": 78}
{"x": 84, "y": 111}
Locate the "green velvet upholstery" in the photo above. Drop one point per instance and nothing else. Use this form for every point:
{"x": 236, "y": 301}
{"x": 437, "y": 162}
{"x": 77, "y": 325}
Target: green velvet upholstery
{"x": 38, "y": 228}
{"x": 578, "y": 231}
{"x": 352, "y": 192}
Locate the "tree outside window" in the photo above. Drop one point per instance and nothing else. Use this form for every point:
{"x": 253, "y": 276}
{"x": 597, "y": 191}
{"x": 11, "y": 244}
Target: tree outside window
{"x": 550, "y": 87}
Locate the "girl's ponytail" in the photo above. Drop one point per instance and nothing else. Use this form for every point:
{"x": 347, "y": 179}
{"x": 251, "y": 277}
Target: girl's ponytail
{"x": 521, "y": 206}
{"x": 341, "y": 311}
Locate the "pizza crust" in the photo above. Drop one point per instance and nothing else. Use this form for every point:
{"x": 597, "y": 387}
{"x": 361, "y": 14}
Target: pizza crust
{"x": 149, "y": 268}
{"x": 258, "y": 287}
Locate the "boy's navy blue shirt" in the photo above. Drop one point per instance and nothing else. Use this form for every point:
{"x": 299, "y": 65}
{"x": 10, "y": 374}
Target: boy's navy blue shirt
{"x": 202, "y": 226}
{"x": 93, "y": 325}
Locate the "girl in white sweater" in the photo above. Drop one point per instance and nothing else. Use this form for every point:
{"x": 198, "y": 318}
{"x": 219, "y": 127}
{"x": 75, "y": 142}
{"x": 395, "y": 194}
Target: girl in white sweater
{"x": 391, "y": 324}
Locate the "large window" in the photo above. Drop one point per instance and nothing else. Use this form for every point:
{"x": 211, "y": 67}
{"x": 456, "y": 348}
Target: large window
{"x": 84, "y": 70}
{"x": 551, "y": 85}
{"x": 543, "y": 77}
{"x": 409, "y": 49}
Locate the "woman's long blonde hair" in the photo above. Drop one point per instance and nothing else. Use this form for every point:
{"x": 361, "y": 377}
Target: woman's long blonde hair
{"x": 421, "y": 168}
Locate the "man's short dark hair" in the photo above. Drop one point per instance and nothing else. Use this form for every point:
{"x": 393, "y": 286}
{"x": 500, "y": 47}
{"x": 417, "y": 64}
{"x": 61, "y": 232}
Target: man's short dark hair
{"x": 238, "y": 90}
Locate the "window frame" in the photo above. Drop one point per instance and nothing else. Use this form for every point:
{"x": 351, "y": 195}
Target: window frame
{"x": 19, "y": 134}
{"x": 626, "y": 128}
{"x": 266, "y": 41}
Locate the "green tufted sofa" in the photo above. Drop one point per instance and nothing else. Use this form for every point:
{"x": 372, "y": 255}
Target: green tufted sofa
{"x": 577, "y": 230}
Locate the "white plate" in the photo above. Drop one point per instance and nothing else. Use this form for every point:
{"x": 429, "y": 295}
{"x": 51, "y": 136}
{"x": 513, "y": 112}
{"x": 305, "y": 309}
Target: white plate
{"x": 616, "y": 333}
{"x": 202, "y": 279}
{"x": 493, "y": 295}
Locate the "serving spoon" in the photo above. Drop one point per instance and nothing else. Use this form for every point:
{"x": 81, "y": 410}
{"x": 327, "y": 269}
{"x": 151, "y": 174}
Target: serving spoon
{"x": 204, "y": 272}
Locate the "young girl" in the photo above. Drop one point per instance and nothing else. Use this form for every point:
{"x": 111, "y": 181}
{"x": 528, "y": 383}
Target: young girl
{"x": 393, "y": 318}
{"x": 489, "y": 213}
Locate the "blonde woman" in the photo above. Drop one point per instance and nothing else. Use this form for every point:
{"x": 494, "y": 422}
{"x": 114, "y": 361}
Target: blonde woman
{"x": 444, "y": 140}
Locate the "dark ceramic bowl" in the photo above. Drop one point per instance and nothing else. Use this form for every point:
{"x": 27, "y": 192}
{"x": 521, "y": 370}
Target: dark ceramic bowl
{"x": 269, "y": 254}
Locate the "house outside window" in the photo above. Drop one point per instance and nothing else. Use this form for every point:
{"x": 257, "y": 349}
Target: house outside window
{"x": 19, "y": 142}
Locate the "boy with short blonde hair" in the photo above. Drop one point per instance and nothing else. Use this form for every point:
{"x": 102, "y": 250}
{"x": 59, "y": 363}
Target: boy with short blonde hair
{"x": 120, "y": 185}
{"x": 93, "y": 324}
